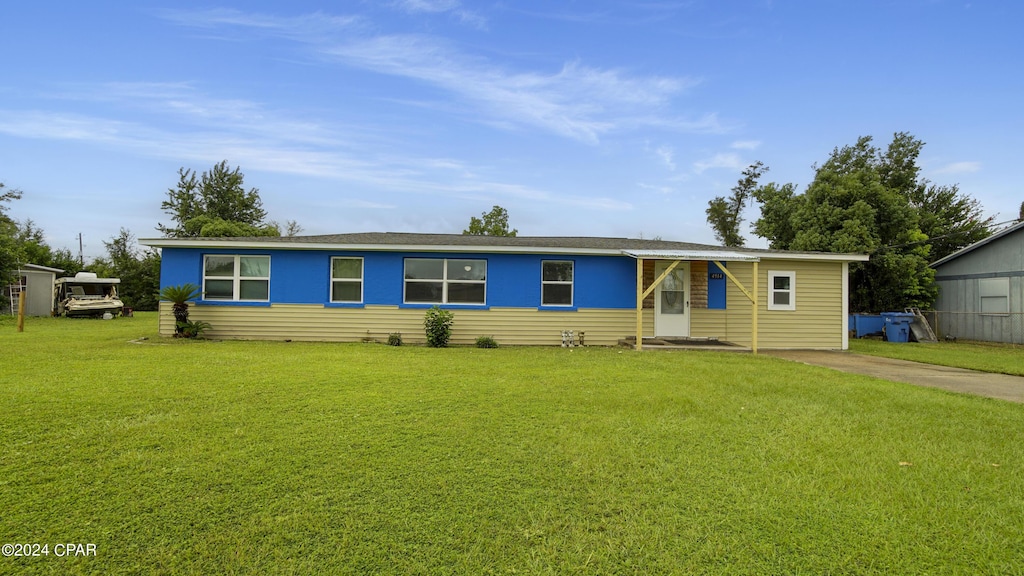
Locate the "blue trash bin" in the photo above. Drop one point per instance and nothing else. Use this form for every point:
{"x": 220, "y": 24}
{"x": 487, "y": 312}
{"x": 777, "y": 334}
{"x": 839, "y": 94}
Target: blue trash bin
{"x": 897, "y": 326}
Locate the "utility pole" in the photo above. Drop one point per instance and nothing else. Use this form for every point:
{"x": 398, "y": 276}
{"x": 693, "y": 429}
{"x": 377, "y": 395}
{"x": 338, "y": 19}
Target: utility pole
{"x": 81, "y": 258}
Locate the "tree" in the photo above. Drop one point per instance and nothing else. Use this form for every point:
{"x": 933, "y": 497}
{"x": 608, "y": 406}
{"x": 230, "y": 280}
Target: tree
{"x": 950, "y": 219}
{"x": 292, "y": 228}
{"x": 726, "y": 215}
{"x": 139, "y": 271}
{"x": 866, "y": 200}
{"x": 35, "y": 250}
{"x": 214, "y": 204}
{"x": 493, "y": 223}
{"x": 10, "y": 252}
{"x": 25, "y": 243}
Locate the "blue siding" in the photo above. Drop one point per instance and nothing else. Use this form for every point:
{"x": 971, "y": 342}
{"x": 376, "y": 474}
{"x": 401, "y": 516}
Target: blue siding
{"x": 716, "y": 287}
{"x": 513, "y": 280}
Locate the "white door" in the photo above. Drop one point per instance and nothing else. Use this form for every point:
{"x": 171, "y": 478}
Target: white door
{"x": 672, "y": 300}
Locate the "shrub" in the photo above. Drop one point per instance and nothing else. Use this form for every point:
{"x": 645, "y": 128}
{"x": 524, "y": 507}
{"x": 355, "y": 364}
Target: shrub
{"x": 486, "y": 342}
{"x": 179, "y": 296}
{"x": 190, "y": 329}
{"x": 395, "y": 339}
{"x": 438, "y": 324}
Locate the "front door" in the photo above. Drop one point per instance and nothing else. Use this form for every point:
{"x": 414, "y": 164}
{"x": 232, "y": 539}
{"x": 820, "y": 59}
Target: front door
{"x": 672, "y": 300}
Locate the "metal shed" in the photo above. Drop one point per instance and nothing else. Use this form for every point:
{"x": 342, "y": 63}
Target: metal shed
{"x": 35, "y": 284}
{"x": 981, "y": 289}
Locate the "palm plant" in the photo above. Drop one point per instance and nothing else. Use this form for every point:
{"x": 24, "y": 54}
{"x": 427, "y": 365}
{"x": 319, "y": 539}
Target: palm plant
{"x": 180, "y": 295}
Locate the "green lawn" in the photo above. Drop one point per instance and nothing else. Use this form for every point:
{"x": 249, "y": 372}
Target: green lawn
{"x": 292, "y": 458}
{"x": 984, "y": 356}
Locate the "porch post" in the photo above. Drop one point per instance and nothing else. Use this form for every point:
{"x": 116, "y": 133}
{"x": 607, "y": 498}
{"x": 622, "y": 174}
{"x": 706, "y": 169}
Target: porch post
{"x": 753, "y": 312}
{"x": 639, "y": 303}
{"x": 750, "y": 294}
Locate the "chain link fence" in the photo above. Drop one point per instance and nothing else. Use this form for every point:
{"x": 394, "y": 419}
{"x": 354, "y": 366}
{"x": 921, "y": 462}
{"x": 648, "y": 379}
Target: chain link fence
{"x": 1008, "y": 328}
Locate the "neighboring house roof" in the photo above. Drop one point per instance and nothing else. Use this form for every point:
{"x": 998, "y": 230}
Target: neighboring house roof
{"x": 413, "y": 242}
{"x": 979, "y": 244}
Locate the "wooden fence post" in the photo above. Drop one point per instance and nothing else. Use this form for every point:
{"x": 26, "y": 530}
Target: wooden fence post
{"x": 21, "y": 310}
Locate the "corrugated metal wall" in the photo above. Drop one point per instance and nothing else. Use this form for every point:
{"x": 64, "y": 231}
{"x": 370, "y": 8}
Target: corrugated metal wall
{"x": 958, "y": 307}
{"x": 958, "y": 313}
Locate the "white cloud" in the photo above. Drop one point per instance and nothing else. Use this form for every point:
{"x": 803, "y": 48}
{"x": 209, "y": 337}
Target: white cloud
{"x": 255, "y": 137}
{"x": 655, "y": 188}
{"x": 576, "y": 101}
{"x": 959, "y": 168}
{"x": 667, "y": 156}
{"x": 746, "y": 144}
{"x": 306, "y": 27}
{"x": 452, "y": 7}
{"x": 726, "y": 160}
{"x": 415, "y": 6}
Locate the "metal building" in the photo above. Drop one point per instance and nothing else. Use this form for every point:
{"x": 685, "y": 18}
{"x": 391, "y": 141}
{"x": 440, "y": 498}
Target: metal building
{"x": 34, "y": 284}
{"x": 981, "y": 289}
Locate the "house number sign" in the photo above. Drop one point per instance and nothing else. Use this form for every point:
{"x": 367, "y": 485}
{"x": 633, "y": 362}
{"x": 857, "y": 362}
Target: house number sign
{"x": 717, "y": 275}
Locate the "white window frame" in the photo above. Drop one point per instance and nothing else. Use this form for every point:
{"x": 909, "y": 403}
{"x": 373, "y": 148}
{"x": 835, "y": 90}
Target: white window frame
{"x": 236, "y": 277}
{"x": 772, "y": 291}
{"x": 334, "y": 280}
{"x": 444, "y": 281}
{"x": 570, "y": 283}
{"x": 991, "y": 291}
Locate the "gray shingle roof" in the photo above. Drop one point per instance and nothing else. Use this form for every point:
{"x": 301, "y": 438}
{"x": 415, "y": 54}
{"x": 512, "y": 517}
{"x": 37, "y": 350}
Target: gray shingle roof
{"x": 408, "y": 239}
{"x": 415, "y": 239}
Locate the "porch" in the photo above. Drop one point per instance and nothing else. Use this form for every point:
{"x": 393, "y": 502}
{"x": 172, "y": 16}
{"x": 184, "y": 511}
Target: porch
{"x": 671, "y": 282}
{"x": 682, "y": 343}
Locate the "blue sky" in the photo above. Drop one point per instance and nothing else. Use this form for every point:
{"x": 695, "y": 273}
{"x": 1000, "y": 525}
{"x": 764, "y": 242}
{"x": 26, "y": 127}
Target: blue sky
{"x": 602, "y": 118}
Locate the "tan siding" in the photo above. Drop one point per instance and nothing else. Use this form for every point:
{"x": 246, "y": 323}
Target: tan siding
{"x": 517, "y": 326}
{"x": 815, "y": 323}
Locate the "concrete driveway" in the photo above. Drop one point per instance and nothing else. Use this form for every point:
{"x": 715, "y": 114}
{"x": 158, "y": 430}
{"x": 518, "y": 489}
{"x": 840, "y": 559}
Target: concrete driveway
{"x": 954, "y": 379}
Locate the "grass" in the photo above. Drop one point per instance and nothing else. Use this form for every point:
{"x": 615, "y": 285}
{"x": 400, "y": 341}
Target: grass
{"x": 179, "y": 457}
{"x": 983, "y": 356}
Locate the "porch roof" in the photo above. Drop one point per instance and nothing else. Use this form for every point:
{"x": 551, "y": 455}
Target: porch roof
{"x": 719, "y": 255}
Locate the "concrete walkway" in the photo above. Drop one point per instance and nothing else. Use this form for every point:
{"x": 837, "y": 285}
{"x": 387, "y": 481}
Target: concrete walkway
{"x": 954, "y": 379}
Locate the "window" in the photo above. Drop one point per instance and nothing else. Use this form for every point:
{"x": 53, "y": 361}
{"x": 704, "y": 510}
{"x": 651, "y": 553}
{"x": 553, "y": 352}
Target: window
{"x": 556, "y": 283}
{"x": 995, "y": 295}
{"x": 346, "y": 279}
{"x": 781, "y": 290}
{"x": 243, "y": 278}
{"x": 445, "y": 281}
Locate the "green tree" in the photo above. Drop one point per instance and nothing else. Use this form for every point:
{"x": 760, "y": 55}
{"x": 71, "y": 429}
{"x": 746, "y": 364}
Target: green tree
{"x": 493, "y": 223}
{"x": 725, "y": 215}
{"x": 139, "y": 271}
{"x": 215, "y": 204}
{"x": 867, "y": 200}
{"x": 35, "y": 250}
{"x": 10, "y": 251}
{"x": 951, "y": 220}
